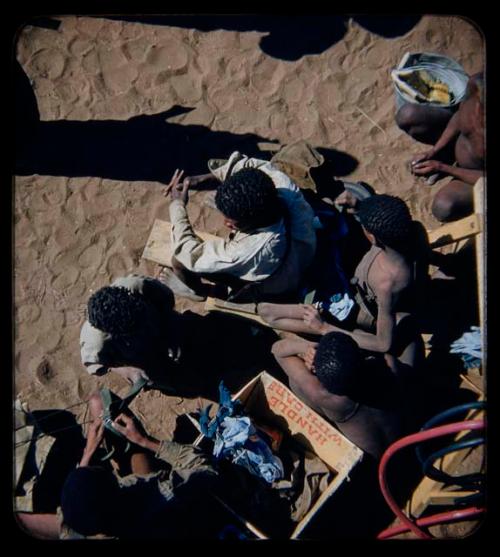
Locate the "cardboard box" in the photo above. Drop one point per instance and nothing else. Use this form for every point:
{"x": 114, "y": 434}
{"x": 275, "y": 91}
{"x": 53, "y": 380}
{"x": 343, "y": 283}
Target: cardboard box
{"x": 267, "y": 399}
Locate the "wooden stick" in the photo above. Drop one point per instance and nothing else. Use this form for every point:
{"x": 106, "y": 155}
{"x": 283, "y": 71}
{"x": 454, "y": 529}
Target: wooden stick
{"x": 372, "y": 121}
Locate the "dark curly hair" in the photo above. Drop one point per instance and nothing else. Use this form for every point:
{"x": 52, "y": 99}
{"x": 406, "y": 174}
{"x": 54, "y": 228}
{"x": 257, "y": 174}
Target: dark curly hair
{"x": 91, "y": 501}
{"x": 388, "y": 218}
{"x": 337, "y": 363}
{"x": 249, "y": 197}
{"x": 116, "y": 310}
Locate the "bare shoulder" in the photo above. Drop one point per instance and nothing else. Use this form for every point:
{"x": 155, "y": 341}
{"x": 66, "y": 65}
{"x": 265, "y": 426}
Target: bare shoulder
{"x": 390, "y": 277}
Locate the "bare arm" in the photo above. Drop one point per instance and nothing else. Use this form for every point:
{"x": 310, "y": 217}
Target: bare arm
{"x": 451, "y": 131}
{"x": 95, "y": 435}
{"x": 291, "y": 347}
{"x": 302, "y": 381}
{"x": 41, "y": 526}
{"x": 128, "y": 428}
{"x": 467, "y": 175}
{"x": 286, "y": 317}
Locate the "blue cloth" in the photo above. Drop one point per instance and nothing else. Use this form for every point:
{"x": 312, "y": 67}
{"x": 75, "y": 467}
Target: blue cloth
{"x": 339, "y": 306}
{"x": 237, "y": 439}
{"x": 469, "y": 347}
{"x": 326, "y": 276}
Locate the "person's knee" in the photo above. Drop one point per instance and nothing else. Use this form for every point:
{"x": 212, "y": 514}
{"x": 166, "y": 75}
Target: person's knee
{"x": 443, "y": 207}
{"x": 406, "y": 117}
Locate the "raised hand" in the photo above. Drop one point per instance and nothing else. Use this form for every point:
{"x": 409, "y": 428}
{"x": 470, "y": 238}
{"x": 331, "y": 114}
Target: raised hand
{"x": 346, "y": 200}
{"x": 127, "y": 427}
{"x": 308, "y": 358}
{"x": 174, "y": 182}
{"x": 312, "y": 319}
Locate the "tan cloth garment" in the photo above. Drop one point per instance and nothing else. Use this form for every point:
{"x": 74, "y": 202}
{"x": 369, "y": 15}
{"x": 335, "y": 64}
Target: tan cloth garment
{"x": 296, "y": 161}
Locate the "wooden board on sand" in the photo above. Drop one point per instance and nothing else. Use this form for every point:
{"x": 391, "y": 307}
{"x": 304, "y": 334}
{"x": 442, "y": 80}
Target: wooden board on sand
{"x": 240, "y": 310}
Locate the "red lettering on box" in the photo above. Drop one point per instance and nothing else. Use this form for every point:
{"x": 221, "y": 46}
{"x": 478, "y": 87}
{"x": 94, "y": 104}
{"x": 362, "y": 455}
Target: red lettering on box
{"x": 273, "y": 401}
{"x": 298, "y": 405}
{"x": 291, "y": 414}
{"x": 302, "y": 422}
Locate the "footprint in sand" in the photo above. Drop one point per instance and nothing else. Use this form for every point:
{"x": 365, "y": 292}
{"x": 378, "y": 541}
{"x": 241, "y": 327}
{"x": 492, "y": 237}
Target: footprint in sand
{"x": 44, "y": 372}
{"x": 27, "y": 314}
{"x": 64, "y": 280}
{"x": 103, "y": 223}
{"x": 171, "y": 55}
{"x": 91, "y": 256}
{"x": 188, "y": 88}
{"x": 137, "y": 50}
{"x": 49, "y": 63}
{"x": 267, "y": 75}
{"x": 117, "y": 265}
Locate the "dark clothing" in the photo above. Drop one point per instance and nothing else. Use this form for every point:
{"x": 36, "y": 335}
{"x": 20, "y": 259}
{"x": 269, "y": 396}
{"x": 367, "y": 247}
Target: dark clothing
{"x": 169, "y": 503}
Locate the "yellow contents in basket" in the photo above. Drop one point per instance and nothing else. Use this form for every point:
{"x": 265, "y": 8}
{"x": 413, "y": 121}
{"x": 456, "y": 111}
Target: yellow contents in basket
{"x": 430, "y": 88}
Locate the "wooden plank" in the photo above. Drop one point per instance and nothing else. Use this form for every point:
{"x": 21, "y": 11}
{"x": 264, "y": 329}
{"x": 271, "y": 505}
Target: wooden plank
{"x": 214, "y": 304}
{"x": 159, "y": 244}
{"x": 442, "y": 497}
{"x": 454, "y": 231}
{"x": 479, "y": 189}
{"x": 474, "y": 381}
{"x": 420, "y": 498}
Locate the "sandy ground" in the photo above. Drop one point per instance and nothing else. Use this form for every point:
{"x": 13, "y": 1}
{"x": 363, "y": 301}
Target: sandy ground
{"x": 75, "y": 234}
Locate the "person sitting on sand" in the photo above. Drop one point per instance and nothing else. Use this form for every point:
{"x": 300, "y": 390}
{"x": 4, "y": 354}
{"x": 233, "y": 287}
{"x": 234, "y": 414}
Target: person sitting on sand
{"x": 455, "y": 199}
{"x": 361, "y": 396}
{"x": 156, "y": 500}
{"x": 382, "y": 280}
{"x": 131, "y": 329}
{"x": 272, "y": 239}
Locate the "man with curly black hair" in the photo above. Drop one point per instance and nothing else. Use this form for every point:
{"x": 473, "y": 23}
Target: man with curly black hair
{"x": 272, "y": 239}
{"x": 249, "y": 199}
{"x": 361, "y": 396}
{"x": 130, "y": 328}
{"x": 384, "y": 277}
{"x": 388, "y": 220}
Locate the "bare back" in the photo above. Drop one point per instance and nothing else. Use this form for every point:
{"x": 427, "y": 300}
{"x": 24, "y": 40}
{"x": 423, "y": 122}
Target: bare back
{"x": 373, "y": 270}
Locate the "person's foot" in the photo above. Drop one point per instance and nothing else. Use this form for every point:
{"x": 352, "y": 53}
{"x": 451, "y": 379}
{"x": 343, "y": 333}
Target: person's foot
{"x": 170, "y": 279}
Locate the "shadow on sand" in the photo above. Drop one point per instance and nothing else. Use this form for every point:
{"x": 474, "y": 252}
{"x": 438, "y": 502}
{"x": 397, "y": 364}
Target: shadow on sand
{"x": 144, "y": 147}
